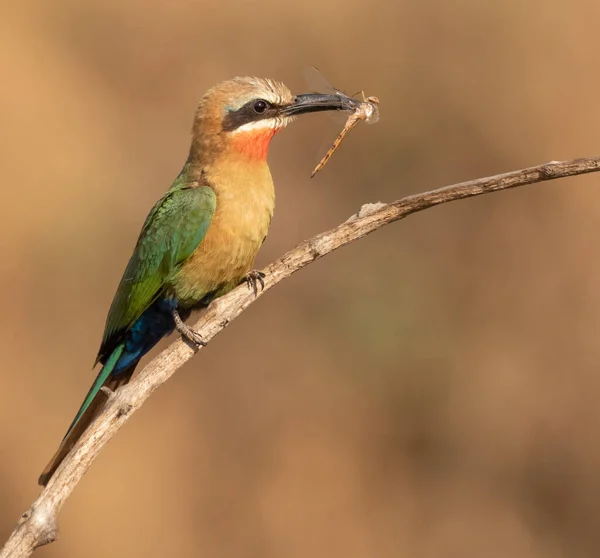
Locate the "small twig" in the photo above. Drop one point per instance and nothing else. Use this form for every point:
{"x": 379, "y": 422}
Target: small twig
{"x": 38, "y": 525}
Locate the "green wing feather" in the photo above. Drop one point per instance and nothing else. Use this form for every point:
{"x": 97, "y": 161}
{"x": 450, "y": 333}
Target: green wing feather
{"x": 171, "y": 233}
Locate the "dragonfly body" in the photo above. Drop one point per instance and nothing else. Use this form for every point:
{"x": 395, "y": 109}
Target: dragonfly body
{"x": 366, "y": 110}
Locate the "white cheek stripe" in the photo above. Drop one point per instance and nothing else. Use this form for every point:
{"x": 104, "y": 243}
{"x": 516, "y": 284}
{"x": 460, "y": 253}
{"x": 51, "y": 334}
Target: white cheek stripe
{"x": 264, "y": 124}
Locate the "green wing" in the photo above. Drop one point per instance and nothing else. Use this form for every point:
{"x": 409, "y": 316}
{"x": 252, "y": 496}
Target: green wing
{"x": 172, "y": 231}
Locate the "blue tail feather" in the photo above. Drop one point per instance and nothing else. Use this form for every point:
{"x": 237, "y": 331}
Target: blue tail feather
{"x": 147, "y": 331}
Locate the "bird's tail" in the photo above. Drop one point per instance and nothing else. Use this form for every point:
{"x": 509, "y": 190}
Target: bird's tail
{"x": 89, "y": 410}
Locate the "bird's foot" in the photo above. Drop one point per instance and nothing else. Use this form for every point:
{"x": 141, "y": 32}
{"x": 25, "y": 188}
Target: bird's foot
{"x": 253, "y": 278}
{"x": 192, "y": 335}
{"x": 187, "y": 332}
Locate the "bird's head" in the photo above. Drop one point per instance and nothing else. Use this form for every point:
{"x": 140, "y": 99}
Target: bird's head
{"x": 243, "y": 114}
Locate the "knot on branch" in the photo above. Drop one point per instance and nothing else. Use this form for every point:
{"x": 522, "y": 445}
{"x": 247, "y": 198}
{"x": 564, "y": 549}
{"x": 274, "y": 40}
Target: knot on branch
{"x": 41, "y": 524}
{"x": 124, "y": 409}
{"x": 315, "y": 248}
{"x": 549, "y": 170}
{"x": 366, "y": 209}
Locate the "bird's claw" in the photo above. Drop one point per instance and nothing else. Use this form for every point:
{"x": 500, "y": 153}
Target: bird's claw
{"x": 192, "y": 336}
{"x": 253, "y": 278}
{"x": 187, "y": 332}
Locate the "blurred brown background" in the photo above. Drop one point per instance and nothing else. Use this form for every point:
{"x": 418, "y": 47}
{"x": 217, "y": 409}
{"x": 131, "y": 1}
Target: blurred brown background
{"x": 430, "y": 391}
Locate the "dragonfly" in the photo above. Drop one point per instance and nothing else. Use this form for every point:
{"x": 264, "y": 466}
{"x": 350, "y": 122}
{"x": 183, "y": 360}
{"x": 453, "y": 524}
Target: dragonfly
{"x": 366, "y": 110}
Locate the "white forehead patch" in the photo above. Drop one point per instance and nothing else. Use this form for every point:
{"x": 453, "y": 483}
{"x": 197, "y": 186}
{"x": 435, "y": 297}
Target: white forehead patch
{"x": 250, "y": 88}
{"x": 273, "y": 91}
{"x": 274, "y": 123}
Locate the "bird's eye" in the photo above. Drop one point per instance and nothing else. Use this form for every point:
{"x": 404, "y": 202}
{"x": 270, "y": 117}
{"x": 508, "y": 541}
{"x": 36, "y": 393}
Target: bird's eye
{"x": 260, "y": 106}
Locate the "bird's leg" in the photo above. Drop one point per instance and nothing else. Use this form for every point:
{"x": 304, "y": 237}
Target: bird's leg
{"x": 253, "y": 278}
{"x": 186, "y": 331}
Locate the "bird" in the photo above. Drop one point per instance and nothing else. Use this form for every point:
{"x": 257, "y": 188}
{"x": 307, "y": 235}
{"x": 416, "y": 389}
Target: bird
{"x": 201, "y": 238}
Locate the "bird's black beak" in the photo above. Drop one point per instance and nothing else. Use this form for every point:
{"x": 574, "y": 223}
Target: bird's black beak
{"x": 317, "y": 102}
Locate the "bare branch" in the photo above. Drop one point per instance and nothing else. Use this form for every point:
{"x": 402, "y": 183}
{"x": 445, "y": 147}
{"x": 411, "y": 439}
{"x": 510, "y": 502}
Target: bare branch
{"x": 39, "y": 526}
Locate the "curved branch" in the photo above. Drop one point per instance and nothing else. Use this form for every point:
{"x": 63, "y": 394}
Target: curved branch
{"x": 39, "y": 526}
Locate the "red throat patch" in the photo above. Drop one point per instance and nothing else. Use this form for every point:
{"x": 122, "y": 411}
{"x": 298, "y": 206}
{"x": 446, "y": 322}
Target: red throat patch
{"x": 254, "y": 143}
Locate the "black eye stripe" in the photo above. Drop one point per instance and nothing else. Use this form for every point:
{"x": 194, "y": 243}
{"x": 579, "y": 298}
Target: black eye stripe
{"x": 246, "y": 114}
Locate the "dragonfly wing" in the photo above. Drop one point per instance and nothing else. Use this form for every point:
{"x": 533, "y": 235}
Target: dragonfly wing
{"x": 317, "y": 83}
